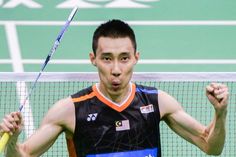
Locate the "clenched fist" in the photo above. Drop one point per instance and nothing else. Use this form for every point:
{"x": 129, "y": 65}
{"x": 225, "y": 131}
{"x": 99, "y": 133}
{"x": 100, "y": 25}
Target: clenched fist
{"x": 12, "y": 124}
{"x": 218, "y": 95}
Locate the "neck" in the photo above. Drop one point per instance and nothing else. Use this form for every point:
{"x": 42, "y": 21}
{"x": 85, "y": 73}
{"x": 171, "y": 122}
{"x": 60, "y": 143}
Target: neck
{"x": 116, "y": 96}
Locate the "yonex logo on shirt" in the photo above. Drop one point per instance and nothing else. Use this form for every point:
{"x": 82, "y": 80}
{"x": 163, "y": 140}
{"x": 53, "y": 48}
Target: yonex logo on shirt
{"x": 92, "y": 117}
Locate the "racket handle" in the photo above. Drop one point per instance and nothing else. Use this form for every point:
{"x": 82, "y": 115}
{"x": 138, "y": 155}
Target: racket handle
{"x": 3, "y": 141}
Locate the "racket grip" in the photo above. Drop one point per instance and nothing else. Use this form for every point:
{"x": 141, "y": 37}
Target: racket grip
{"x": 3, "y": 141}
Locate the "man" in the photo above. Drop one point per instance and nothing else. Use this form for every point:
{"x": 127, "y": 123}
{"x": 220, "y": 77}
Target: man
{"x": 116, "y": 117}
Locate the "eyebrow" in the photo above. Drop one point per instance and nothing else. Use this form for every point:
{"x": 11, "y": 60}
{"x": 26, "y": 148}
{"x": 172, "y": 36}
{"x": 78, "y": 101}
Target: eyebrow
{"x": 109, "y": 53}
{"x": 106, "y": 53}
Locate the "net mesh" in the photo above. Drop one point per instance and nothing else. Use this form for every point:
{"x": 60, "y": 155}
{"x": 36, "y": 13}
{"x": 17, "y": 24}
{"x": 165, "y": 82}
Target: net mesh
{"x": 190, "y": 93}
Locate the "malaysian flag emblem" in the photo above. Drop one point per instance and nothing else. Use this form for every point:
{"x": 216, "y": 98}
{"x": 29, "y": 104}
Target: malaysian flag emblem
{"x": 122, "y": 125}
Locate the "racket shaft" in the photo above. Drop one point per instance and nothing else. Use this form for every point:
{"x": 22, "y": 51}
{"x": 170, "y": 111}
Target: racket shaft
{"x": 4, "y": 139}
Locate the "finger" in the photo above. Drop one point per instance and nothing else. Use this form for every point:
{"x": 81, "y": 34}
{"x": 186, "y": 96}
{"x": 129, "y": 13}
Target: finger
{"x": 7, "y": 126}
{"x": 218, "y": 85}
{"x": 215, "y": 85}
{"x": 209, "y": 89}
{"x": 19, "y": 115}
{"x": 18, "y": 118}
{"x": 221, "y": 89}
{"x": 10, "y": 121}
{"x": 222, "y": 95}
{"x": 216, "y": 88}
{"x": 14, "y": 117}
{"x": 9, "y": 118}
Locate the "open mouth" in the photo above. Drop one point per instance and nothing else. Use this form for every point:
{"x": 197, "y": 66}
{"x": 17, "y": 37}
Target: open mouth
{"x": 115, "y": 85}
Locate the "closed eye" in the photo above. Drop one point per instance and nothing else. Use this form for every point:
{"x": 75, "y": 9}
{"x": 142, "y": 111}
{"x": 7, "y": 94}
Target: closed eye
{"x": 125, "y": 58}
{"x": 105, "y": 58}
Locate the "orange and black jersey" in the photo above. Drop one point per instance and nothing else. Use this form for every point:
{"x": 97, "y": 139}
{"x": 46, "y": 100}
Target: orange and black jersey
{"x": 106, "y": 129}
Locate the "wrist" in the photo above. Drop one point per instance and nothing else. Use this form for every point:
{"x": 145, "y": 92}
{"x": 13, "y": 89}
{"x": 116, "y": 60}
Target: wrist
{"x": 221, "y": 112}
{"x": 13, "y": 138}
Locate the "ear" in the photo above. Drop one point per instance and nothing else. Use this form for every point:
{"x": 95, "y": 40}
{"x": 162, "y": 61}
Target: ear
{"x": 92, "y": 58}
{"x": 136, "y": 57}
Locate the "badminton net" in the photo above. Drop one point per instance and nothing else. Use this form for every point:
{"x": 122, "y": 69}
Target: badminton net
{"x": 187, "y": 88}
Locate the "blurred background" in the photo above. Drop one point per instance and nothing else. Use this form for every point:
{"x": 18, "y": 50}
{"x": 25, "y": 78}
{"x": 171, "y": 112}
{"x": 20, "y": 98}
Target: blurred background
{"x": 172, "y": 36}
{"x": 183, "y": 35}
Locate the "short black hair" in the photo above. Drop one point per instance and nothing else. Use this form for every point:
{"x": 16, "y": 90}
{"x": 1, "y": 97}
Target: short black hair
{"x": 114, "y": 29}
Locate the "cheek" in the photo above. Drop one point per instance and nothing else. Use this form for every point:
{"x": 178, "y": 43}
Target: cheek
{"x": 103, "y": 70}
{"x": 128, "y": 67}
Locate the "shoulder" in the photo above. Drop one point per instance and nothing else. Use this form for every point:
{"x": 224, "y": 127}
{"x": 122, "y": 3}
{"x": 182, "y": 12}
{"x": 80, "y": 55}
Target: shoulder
{"x": 62, "y": 105}
{"x": 146, "y": 89}
{"x": 82, "y": 92}
{"x": 167, "y": 104}
{"x": 61, "y": 113}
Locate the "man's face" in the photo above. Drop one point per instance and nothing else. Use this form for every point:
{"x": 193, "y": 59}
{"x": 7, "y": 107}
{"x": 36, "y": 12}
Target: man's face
{"x": 115, "y": 59}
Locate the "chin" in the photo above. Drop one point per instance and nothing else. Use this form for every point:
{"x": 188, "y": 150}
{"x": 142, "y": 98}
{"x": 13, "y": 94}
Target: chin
{"x": 115, "y": 91}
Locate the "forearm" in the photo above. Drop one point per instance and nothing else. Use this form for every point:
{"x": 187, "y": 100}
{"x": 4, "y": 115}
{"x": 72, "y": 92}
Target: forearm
{"x": 217, "y": 133}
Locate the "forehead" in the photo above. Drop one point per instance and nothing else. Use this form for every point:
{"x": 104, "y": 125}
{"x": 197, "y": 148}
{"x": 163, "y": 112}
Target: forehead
{"x": 115, "y": 45}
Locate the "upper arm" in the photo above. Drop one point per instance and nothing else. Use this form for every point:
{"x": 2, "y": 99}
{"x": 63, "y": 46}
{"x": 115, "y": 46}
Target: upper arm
{"x": 181, "y": 122}
{"x": 53, "y": 124}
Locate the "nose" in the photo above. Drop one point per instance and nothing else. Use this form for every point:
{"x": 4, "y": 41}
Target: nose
{"x": 116, "y": 70}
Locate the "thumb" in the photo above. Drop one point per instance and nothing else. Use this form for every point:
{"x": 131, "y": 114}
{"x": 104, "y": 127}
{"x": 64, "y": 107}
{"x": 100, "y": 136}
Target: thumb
{"x": 212, "y": 99}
